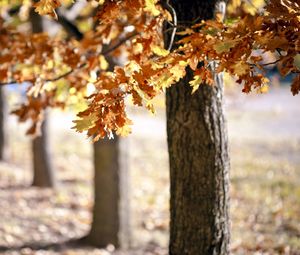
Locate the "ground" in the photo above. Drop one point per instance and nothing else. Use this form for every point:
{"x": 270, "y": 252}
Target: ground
{"x": 265, "y": 176}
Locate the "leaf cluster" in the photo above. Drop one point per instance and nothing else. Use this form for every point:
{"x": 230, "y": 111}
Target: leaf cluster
{"x": 133, "y": 30}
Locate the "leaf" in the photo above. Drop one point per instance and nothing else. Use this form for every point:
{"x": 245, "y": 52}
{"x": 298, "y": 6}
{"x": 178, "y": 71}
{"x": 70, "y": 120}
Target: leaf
{"x": 103, "y": 63}
{"x": 295, "y": 88}
{"x": 159, "y": 51}
{"x": 224, "y": 46}
{"x": 187, "y": 31}
{"x": 150, "y": 107}
{"x": 195, "y": 83}
{"x": 124, "y": 131}
{"x": 297, "y": 61}
{"x": 3, "y": 74}
{"x": 193, "y": 62}
{"x": 47, "y": 7}
{"x": 263, "y": 89}
{"x": 85, "y": 122}
{"x": 178, "y": 70}
{"x": 150, "y": 7}
{"x": 240, "y": 68}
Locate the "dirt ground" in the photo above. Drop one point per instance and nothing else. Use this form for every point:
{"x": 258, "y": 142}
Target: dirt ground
{"x": 265, "y": 174}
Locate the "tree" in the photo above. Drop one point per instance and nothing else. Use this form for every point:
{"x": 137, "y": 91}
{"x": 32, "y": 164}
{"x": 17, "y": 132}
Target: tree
{"x": 110, "y": 224}
{"x": 111, "y": 208}
{"x": 198, "y": 155}
{"x": 3, "y": 143}
{"x": 43, "y": 173}
{"x": 111, "y": 211}
{"x": 203, "y": 49}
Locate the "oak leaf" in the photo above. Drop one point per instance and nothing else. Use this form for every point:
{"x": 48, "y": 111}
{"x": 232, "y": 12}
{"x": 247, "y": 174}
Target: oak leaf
{"x": 47, "y": 7}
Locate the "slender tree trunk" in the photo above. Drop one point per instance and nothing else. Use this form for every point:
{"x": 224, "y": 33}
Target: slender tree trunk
{"x": 3, "y": 145}
{"x": 43, "y": 175}
{"x": 198, "y": 154}
{"x": 111, "y": 203}
{"x": 111, "y": 208}
{"x": 110, "y": 223}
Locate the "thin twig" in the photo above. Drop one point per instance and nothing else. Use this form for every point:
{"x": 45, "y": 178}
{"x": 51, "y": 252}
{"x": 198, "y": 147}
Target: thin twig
{"x": 278, "y": 51}
{"x": 117, "y": 45}
{"x": 271, "y": 63}
{"x": 174, "y": 17}
{"x": 9, "y": 83}
{"x": 66, "y": 73}
{"x": 172, "y": 27}
{"x": 267, "y": 64}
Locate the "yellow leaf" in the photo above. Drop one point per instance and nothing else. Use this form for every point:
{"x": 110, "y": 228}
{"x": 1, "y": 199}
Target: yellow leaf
{"x": 85, "y": 122}
{"x": 164, "y": 81}
{"x": 150, "y": 7}
{"x": 160, "y": 51}
{"x": 103, "y": 63}
{"x": 263, "y": 89}
{"x": 124, "y": 131}
{"x": 178, "y": 71}
{"x": 233, "y": 5}
{"x": 150, "y": 107}
{"x": 195, "y": 83}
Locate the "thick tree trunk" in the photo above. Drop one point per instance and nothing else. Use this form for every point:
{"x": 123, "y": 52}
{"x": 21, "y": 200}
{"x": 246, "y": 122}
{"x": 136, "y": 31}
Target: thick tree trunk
{"x": 198, "y": 154}
{"x": 3, "y": 145}
{"x": 111, "y": 209}
{"x": 43, "y": 175}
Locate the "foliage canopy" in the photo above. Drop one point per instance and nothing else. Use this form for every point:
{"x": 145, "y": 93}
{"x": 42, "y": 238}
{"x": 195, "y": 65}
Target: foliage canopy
{"x": 134, "y": 30}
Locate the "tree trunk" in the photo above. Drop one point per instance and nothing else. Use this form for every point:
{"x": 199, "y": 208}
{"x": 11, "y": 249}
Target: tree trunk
{"x": 110, "y": 223}
{"x": 198, "y": 155}
{"x": 111, "y": 208}
{"x": 43, "y": 175}
{"x": 3, "y": 145}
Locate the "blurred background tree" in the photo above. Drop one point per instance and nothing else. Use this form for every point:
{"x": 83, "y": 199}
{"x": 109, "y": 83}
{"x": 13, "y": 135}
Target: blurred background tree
{"x": 43, "y": 172}
{"x": 3, "y": 134}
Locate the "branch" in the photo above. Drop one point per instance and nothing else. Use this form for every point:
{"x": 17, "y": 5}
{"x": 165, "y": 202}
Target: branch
{"x": 172, "y": 27}
{"x": 71, "y": 28}
{"x": 117, "y": 45}
{"x": 66, "y": 73}
{"x": 279, "y": 52}
{"x": 9, "y": 83}
{"x": 174, "y": 17}
{"x": 271, "y": 63}
{"x": 267, "y": 64}
{"x": 106, "y": 52}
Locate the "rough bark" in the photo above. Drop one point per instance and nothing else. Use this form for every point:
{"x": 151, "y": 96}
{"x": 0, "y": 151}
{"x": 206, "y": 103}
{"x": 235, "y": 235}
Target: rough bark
{"x": 111, "y": 209}
{"x": 3, "y": 144}
{"x": 198, "y": 155}
{"x": 43, "y": 175}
